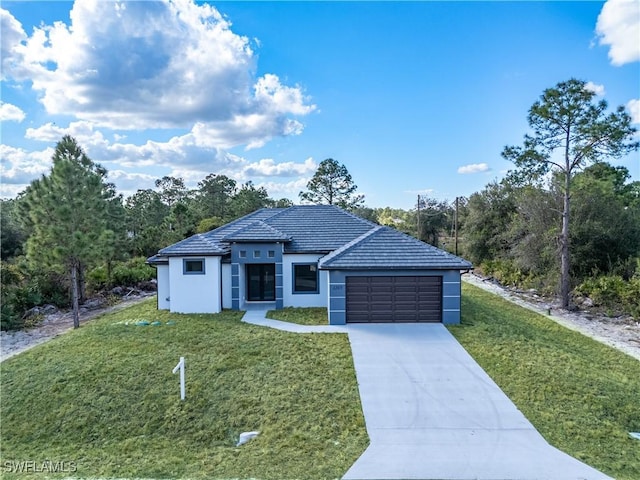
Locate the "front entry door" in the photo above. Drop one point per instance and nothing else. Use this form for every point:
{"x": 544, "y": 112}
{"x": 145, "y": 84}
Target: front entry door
{"x": 261, "y": 282}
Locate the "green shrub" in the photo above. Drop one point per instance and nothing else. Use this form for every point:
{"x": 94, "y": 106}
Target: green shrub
{"x": 505, "y": 271}
{"x": 613, "y": 292}
{"x": 123, "y": 274}
{"x": 132, "y": 272}
{"x": 24, "y": 288}
{"x": 97, "y": 279}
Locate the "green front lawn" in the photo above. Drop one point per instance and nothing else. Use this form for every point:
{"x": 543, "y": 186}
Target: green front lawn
{"x": 104, "y": 398}
{"x": 302, "y": 316}
{"x": 582, "y": 396}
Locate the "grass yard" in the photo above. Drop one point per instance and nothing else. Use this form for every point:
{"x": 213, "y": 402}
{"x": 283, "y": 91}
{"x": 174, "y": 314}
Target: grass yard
{"x": 582, "y": 396}
{"x": 104, "y": 397}
{"x": 302, "y": 316}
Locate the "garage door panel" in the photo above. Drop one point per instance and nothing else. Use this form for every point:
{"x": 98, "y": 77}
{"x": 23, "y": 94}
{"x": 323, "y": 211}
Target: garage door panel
{"x": 382, "y": 299}
{"x": 409, "y": 290}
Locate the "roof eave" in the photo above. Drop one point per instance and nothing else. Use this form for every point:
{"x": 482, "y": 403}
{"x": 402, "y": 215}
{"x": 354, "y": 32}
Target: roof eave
{"x": 387, "y": 267}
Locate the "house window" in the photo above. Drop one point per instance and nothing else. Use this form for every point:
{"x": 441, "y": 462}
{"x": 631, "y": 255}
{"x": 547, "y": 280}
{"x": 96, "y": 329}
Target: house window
{"x": 256, "y": 254}
{"x": 271, "y": 253}
{"x": 193, "y": 266}
{"x": 305, "y": 278}
{"x": 243, "y": 254}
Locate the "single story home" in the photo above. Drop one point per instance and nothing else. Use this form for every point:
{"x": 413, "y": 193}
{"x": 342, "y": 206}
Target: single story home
{"x": 311, "y": 256}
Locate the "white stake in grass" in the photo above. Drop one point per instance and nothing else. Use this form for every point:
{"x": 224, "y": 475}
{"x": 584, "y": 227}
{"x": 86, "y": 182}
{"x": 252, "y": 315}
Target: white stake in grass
{"x": 180, "y": 366}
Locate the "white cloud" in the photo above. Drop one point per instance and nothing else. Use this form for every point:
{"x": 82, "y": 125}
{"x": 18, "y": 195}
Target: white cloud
{"x": 10, "y": 40}
{"x": 10, "y": 112}
{"x": 84, "y": 132}
{"x": 618, "y": 26}
{"x": 140, "y": 65}
{"x": 634, "y": 109}
{"x": 193, "y": 153}
{"x": 19, "y": 167}
{"x": 595, "y": 88}
{"x": 288, "y": 189}
{"x": 267, "y": 167}
{"x": 473, "y": 168}
{"x": 426, "y": 192}
{"x": 129, "y": 183}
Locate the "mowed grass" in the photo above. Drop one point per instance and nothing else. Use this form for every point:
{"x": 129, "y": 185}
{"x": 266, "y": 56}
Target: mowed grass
{"x": 104, "y": 397}
{"x": 302, "y": 316}
{"x": 582, "y": 396}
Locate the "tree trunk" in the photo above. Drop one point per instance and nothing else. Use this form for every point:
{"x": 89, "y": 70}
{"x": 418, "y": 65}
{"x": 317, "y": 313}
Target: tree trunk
{"x": 82, "y": 293}
{"x": 74, "y": 295}
{"x": 564, "y": 238}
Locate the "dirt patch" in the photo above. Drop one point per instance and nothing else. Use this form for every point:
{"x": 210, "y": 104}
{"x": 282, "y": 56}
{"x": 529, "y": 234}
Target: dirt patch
{"x": 15, "y": 342}
{"x": 622, "y": 333}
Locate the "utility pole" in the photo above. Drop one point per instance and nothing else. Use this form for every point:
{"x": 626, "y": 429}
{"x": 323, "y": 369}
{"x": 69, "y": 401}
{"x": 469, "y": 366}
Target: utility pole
{"x": 418, "y": 232}
{"x": 455, "y": 227}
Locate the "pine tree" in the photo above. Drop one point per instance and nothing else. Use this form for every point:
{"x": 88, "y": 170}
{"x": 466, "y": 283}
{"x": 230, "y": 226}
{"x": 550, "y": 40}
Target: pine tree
{"x": 68, "y": 211}
{"x": 332, "y": 184}
{"x": 570, "y": 131}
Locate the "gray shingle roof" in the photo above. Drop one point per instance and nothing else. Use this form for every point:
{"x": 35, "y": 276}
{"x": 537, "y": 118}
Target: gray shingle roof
{"x": 257, "y": 232}
{"x": 318, "y": 228}
{"x": 350, "y": 241}
{"x": 211, "y": 243}
{"x": 157, "y": 260}
{"x": 197, "y": 244}
{"x": 386, "y": 248}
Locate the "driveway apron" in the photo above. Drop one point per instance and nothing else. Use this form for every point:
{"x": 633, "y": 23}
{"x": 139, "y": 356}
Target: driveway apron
{"x": 431, "y": 412}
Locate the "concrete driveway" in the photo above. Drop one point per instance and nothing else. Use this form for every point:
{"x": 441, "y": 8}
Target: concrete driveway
{"x": 432, "y": 413}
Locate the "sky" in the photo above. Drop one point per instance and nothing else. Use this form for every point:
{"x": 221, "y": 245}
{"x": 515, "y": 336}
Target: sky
{"x": 412, "y": 97}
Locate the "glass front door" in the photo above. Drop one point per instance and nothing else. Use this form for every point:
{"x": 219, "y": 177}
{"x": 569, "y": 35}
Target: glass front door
{"x": 261, "y": 282}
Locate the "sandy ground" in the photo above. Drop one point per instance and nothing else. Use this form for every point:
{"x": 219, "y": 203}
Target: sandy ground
{"x": 622, "y": 333}
{"x": 13, "y": 343}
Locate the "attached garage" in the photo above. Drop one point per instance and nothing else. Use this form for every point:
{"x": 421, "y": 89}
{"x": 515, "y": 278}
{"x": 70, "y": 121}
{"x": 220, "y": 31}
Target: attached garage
{"x": 385, "y": 276}
{"x": 383, "y": 299}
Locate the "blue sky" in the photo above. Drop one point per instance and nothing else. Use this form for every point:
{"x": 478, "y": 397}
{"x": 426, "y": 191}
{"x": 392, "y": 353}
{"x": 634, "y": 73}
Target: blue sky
{"x": 413, "y": 97}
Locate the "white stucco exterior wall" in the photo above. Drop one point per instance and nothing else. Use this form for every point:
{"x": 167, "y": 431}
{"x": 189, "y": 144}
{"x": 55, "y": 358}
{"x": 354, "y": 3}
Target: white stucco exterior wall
{"x": 291, "y": 299}
{"x": 195, "y": 293}
{"x": 164, "y": 290}
{"x": 226, "y": 285}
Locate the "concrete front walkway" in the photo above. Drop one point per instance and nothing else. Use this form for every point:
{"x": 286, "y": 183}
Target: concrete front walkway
{"x": 431, "y": 412}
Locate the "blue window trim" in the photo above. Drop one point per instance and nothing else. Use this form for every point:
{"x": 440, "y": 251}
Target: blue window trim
{"x": 293, "y": 279}
{"x": 184, "y": 266}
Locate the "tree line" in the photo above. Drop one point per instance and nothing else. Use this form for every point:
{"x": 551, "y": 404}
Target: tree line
{"x": 562, "y": 221}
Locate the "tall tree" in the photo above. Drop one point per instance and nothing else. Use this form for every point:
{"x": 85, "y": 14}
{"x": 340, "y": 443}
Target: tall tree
{"x": 68, "y": 211}
{"x": 332, "y": 184}
{"x": 248, "y": 199}
{"x": 570, "y": 130}
{"x": 486, "y": 221}
{"x": 214, "y": 196}
{"x": 172, "y": 189}
{"x": 145, "y": 215}
{"x": 12, "y": 236}
{"x": 605, "y": 226}
{"x": 432, "y": 219}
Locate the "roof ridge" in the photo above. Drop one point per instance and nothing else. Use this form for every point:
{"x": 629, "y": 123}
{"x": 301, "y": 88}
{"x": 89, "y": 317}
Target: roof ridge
{"x": 337, "y": 253}
{"x": 257, "y": 223}
{"x": 238, "y": 220}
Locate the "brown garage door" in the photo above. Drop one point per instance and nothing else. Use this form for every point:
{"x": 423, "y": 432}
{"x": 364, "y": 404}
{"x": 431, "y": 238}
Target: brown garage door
{"x": 394, "y": 299}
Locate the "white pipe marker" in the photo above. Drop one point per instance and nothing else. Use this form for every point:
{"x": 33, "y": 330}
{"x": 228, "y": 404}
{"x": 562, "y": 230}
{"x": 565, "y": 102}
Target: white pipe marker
{"x": 180, "y": 366}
